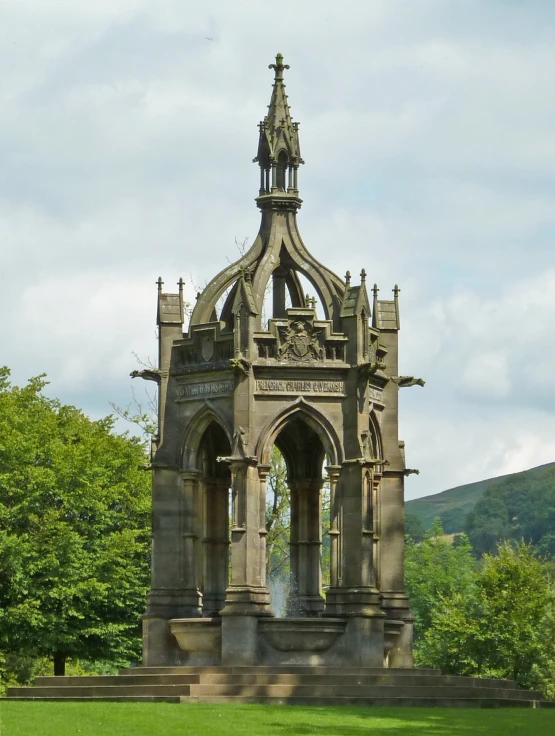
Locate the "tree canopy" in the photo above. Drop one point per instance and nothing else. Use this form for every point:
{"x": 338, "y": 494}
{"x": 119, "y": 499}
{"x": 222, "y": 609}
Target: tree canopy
{"x": 74, "y": 530}
{"x": 501, "y": 626}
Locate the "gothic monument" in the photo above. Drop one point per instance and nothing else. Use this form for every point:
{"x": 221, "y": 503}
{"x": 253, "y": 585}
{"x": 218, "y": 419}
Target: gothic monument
{"x": 324, "y": 390}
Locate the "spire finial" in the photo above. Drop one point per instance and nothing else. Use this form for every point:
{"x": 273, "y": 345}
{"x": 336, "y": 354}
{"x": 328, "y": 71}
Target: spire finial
{"x": 396, "y": 291}
{"x": 348, "y": 278}
{"x": 375, "y": 291}
{"x": 278, "y": 67}
{"x": 313, "y": 302}
{"x": 363, "y": 276}
{"x": 160, "y": 283}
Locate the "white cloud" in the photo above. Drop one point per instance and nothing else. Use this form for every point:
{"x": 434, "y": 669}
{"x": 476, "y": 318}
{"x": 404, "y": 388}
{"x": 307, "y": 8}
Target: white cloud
{"x": 127, "y": 137}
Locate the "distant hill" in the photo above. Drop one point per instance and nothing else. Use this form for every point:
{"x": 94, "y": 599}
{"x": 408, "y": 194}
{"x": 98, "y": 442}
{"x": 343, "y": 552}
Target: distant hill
{"x": 453, "y": 505}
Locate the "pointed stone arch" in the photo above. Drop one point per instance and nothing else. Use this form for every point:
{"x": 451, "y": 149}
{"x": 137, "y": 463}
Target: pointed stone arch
{"x": 194, "y": 432}
{"x": 315, "y": 420}
{"x": 376, "y": 435}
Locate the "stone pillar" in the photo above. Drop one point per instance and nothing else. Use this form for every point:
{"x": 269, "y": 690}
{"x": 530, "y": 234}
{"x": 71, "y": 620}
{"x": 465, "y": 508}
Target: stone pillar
{"x": 335, "y": 524}
{"x": 278, "y": 292}
{"x": 306, "y": 548}
{"x": 216, "y": 545}
{"x": 395, "y": 601}
{"x": 175, "y": 592}
{"x": 247, "y": 597}
{"x": 263, "y": 471}
{"x": 355, "y": 594}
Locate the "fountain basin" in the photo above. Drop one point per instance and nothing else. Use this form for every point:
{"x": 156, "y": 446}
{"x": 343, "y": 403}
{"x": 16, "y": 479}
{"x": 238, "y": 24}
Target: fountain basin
{"x": 198, "y": 634}
{"x": 301, "y": 634}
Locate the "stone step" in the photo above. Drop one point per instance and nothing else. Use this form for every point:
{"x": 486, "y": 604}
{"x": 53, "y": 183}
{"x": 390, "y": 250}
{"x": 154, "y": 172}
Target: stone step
{"x": 396, "y": 680}
{"x": 361, "y": 691}
{"x": 428, "y": 702}
{"x": 116, "y": 680}
{"x": 267, "y": 670}
{"x": 101, "y": 691}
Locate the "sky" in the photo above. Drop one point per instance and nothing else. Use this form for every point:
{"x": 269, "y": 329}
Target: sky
{"x": 127, "y": 132}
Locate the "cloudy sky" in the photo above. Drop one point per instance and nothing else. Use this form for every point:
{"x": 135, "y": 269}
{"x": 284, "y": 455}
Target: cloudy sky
{"x": 127, "y": 132}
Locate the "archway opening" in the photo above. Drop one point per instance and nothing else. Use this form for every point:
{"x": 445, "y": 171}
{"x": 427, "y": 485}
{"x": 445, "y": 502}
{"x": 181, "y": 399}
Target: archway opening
{"x": 297, "y": 522}
{"x": 213, "y": 519}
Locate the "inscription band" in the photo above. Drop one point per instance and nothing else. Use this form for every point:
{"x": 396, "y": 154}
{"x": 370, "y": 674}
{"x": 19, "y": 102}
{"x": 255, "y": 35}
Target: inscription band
{"x": 275, "y": 386}
{"x": 209, "y": 388}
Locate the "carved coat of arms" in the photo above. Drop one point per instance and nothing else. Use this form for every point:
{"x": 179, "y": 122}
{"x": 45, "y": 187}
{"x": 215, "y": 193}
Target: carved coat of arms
{"x": 299, "y": 341}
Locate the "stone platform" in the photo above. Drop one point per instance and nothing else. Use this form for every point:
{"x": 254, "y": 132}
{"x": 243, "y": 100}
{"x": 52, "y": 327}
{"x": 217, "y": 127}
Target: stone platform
{"x": 287, "y": 685}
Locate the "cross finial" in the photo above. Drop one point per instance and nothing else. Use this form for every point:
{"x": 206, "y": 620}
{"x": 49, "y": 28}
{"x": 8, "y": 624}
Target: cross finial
{"x": 348, "y": 278}
{"x": 396, "y": 291}
{"x": 180, "y": 283}
{"x": 363, "y": 276}
{"x": 375, "y": 291}
{"x": 278, "y": 67}
{"x": 160, "y": 283}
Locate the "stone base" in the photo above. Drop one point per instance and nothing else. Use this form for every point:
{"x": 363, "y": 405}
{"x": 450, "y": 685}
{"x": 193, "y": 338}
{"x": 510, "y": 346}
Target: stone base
{"x": 240, "y": 640}
{"x": 247, "y": 601}
{"x": 353, "y": 602}
{"x": 160, "y": 648}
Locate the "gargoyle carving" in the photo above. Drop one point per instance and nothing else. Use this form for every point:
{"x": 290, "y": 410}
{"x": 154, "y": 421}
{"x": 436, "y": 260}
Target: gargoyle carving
{"x": 368, "y": 369}
{"x": 404, "y": 381}
{"x": 411, "y": 471}
{"x": 149, "y": 374}
{"x": 242, "y": 364}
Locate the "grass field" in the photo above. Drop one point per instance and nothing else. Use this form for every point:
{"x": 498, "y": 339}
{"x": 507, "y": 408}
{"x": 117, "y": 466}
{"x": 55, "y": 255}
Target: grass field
{"x": 166, "y": 719}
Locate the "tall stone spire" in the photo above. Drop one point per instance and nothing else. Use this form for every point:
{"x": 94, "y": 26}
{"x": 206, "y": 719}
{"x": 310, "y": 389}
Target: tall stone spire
{"x": 279, "y": 153}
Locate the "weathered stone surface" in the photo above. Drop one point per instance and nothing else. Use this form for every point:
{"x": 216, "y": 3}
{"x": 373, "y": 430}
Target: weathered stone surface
{"x": 319, "y": 378}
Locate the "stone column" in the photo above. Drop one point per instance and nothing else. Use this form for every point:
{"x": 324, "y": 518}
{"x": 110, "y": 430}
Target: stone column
{"x": 175, "y": 592}
{"x": 278, "y": 292}
{"x": 306, "y": 548}
{"x": 247, "y": 597}
{"x": 216, "y": 545}
{"x": 395, "y": 601}
{"x": 263, "y": 471}
{"x": 335, "y": 523}
{"x": 355, "y": 595}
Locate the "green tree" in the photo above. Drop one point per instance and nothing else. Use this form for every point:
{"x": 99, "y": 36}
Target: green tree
{"x": 278, "y": 518}
{"x": 488, "y": 524}
{"x": 414, "y": 528}
{"x": 435, "y": 570}
{"x": 74, "y": 531}
{"x": 503, "y": 626}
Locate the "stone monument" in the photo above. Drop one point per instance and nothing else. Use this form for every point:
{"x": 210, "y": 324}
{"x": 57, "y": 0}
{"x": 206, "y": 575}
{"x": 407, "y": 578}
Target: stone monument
{"x": 319, "y": 379}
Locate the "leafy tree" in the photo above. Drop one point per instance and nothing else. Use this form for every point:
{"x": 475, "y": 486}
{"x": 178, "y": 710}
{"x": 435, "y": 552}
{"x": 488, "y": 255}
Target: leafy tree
{"x": 434, "y": 570}
{"x": 521, "y": 506}
{"x": 74, "y": 531}
{"x": 414, "y": 528}
{"x": 503, "y": 626}
{"x": 488, "y": 524}
{"x": 278, "y": 518}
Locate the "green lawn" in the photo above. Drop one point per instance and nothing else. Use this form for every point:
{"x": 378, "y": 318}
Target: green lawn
{"x": 166, "y": 719}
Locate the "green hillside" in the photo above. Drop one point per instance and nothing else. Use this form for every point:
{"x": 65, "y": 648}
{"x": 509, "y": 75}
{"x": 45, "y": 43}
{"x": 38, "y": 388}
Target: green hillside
{"x": 453, "y": 505}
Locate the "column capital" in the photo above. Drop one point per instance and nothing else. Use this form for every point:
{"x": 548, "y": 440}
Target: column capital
{"x": 264, "y": 471}
{"x": 190, "y": 474}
